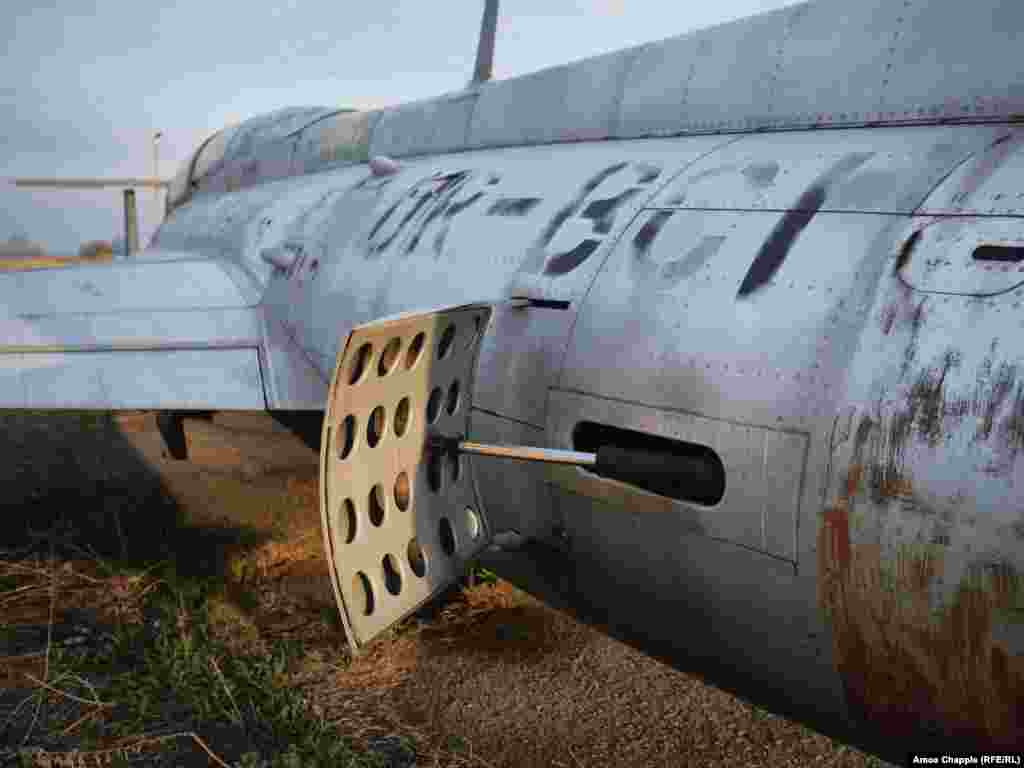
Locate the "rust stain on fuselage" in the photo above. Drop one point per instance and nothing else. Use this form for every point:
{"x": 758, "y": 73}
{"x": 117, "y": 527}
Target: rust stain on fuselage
{"x": 908, "y": 669}
{"x": 1011, "y": 428}
{"x": 925, "y": 604}
{"x": 924, "y": 414}
{"x": 990, "y": 398}
{"x": 932, "y": 410}
{"x": 926, "y": 402}
{"x": 916, "y": 318}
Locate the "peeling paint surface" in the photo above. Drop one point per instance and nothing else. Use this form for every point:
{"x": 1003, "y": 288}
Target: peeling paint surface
{"x": 942, "y": 255}
{"x": 830, "y": 300}
{"x": 911, "y": 667}
{"x": 888, "y": 171}
{"x": 559, "y": 249}
{"x": 900, "y": 537}
{"x": 919, "y": 553}
{"x": 377, "y": 245}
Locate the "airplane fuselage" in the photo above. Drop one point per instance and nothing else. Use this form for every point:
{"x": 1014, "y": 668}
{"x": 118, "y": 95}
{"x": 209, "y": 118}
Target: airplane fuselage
{"x": 818, "y": 279}
{"x": 862, "y": 561}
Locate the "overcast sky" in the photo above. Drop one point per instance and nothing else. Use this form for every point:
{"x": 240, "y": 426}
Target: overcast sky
{"x": 85, "y": 83}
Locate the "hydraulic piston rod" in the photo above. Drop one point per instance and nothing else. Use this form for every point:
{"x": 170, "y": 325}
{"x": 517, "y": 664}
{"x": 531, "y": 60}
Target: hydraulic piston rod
{"x": 659, "y": 472}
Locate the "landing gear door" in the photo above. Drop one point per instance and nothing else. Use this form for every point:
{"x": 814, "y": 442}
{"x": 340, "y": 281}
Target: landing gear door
{"x": 400, "y": 522}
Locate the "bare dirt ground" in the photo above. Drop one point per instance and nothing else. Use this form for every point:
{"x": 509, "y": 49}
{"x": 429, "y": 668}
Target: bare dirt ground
{"x": 496, "y": 679}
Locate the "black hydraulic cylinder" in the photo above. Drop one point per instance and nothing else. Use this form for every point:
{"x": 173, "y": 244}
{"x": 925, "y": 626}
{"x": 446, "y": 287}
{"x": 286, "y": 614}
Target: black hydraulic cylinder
{"x": 699, "y": 478}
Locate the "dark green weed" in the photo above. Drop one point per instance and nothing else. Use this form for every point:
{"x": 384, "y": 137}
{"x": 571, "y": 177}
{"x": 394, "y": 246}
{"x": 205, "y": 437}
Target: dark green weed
{"x": 172, "y": 673}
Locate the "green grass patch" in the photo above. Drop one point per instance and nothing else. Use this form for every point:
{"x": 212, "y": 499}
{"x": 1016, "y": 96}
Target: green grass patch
{"x": 171, "y": 671}
{"x": 483, "y": 575}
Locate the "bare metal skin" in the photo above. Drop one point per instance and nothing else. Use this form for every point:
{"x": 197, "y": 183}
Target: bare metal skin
{"x": 796, "y": 249}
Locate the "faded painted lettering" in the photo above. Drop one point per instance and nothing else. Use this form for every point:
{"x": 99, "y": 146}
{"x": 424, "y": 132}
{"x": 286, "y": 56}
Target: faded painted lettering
{"x": 784, "y": 235}
{"x": 602, "y": 212}
{"x": 513, "y": 206}
{"x": 662, "y": 276}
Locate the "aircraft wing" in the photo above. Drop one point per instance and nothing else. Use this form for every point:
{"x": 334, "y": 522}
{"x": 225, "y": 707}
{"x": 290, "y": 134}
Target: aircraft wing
{"x": 170, "y": 331}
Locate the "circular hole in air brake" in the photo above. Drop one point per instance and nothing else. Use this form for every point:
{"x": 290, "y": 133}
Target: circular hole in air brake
{"x": 477, "y": 325}
{"x": 389, "y": 357}
{"x": 435, "y": 469}
{"x": 447, "y": 536}
{"x": 452, "y": 402}
{"x": 417, "y": 560}
{"x": 402, "y": 491}
{"x": 348, "y": 520}
{"x": 377, "y": 502}
{"x": 360, "y": 363}
{"x": 444, "y": 346}
{"x": 402, "y": 417}
{"x": 392, "y": 574}
{"x": 434, "y": 404}
{"x": 413, "y": 353}
{"x": 346, "y": 440}
{"x": 472, "y": 523}
{"x": 375, "y": 426}
{"x": 363, "y": 593}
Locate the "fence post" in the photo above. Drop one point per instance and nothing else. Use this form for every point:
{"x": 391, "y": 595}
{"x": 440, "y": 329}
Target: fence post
{"x": 131, "y": 224}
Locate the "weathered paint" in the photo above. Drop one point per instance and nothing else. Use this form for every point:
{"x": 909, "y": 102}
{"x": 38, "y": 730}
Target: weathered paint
{"x": 602, "y": 212}
{"x": 771, "y": 255}
{"x": 665, "y": 275}
{"x": 643, "y": 247}
{"x": 761, "y": 175}
{"x": 958, "y": 194}
{"x": 892, "y": 62}
{"x": 774, "y": 250}
{"x": 965, "y": 255}
{"x": 430, "y": 200}
{"x": 645, "y": 236}
{"x": 918, "y": 548}
{"x": 884, "y": 171}
{"x": 513, "y": 206}
{"x": 912, "y": 662}
{"x": 909, "y": 668}
{"x": 773, "y": 458}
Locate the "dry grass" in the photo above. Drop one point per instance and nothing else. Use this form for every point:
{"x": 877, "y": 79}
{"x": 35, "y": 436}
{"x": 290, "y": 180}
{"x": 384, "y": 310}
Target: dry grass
{"x": 114, "y": 597}
{"x": 496, "y": 680}
{"x": 45, "y": 262}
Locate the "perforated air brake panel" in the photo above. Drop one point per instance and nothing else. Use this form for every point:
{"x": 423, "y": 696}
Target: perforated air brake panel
{"x": 399, "y": 521}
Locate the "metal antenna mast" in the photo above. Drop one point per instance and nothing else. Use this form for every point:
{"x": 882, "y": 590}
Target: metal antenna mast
{"x": 484, "y": 67}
